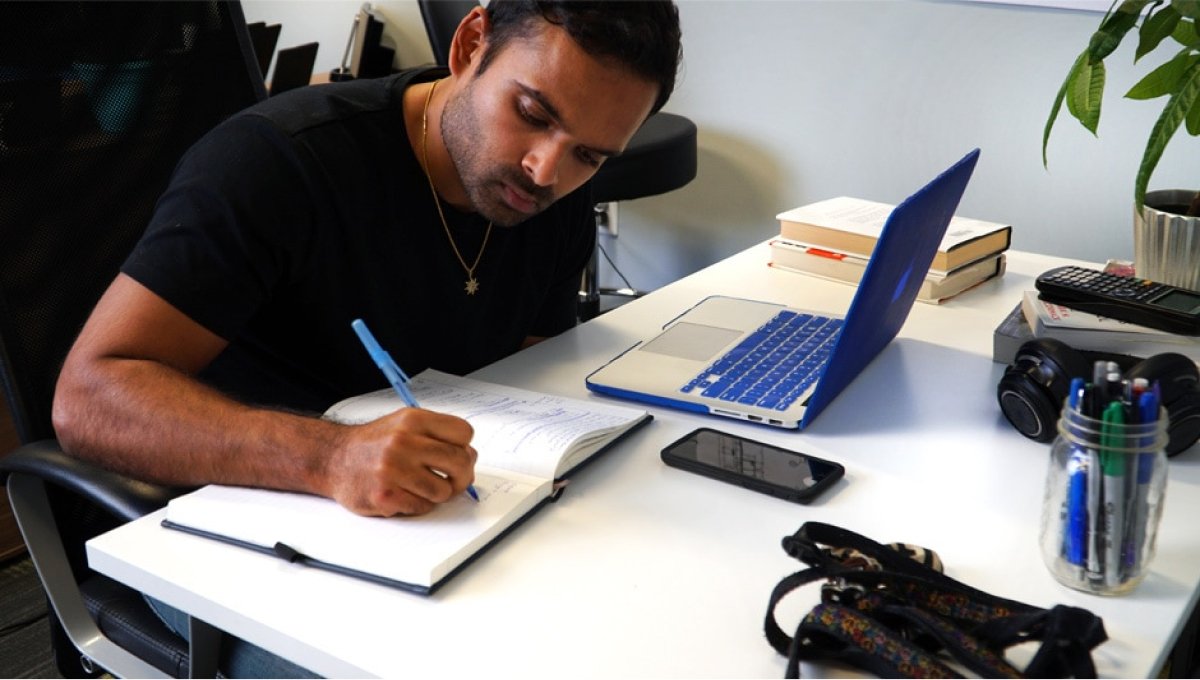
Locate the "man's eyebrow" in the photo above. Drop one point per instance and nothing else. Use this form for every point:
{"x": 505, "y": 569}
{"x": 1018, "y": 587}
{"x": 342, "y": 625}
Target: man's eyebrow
{"x": 552, "y": 111}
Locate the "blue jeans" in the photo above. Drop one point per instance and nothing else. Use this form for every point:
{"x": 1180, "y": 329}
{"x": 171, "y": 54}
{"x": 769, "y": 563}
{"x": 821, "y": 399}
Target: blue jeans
{"x": 239, "y": 659}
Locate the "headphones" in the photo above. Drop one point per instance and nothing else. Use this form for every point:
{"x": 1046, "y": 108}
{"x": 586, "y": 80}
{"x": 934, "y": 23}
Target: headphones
{"x": 1032, "y": 390}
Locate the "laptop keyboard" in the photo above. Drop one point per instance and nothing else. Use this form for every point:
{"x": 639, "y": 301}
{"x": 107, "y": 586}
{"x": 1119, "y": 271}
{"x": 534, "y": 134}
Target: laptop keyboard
{"x": 772, "y": 366}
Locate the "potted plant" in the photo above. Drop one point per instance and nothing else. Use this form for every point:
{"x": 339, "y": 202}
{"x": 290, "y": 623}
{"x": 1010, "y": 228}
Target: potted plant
{"x": 1166, "y": 223}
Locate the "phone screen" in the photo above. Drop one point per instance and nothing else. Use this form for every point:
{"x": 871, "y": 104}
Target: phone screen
{"x": 756, "y": 465}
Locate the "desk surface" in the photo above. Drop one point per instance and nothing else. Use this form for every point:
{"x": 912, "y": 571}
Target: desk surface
{"x": 644, "y": 570}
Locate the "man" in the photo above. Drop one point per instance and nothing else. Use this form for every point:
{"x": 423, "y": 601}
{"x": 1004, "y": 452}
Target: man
{"x": 449, "y": 211}
{"x": 287, "y": 222}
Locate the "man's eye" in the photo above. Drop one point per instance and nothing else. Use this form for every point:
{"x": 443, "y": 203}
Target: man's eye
{"x": 589, "y": 158}
{"x": 530, "y": 117}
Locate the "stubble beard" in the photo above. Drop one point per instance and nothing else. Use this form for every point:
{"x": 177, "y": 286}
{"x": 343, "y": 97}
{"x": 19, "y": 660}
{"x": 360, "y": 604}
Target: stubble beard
{"x": 483, "y": 183}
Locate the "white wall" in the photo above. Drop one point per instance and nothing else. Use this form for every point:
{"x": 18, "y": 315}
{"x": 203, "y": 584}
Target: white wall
{"x": 797, "y": 101}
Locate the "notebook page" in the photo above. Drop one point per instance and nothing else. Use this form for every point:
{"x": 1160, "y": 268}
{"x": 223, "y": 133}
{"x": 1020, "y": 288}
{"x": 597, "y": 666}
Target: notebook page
{"x": 515, "y": 429}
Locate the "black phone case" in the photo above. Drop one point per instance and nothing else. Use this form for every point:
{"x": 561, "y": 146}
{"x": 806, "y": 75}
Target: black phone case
{"x": 795, "y": 495}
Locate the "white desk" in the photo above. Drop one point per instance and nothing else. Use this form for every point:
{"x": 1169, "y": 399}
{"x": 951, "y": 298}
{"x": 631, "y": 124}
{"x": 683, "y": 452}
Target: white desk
{"x": 642, "y": 570}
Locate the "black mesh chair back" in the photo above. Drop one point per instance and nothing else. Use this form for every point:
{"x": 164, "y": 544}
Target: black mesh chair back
{"x": 98, "y": 101}
{"x": 441, "y": 18}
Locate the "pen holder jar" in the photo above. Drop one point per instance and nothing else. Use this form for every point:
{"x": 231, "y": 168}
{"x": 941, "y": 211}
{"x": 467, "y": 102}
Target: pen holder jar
{"x": 1103, "y": 500}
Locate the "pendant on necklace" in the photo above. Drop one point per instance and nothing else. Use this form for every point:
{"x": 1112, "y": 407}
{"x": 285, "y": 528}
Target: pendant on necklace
{"x": 472, "y": 286}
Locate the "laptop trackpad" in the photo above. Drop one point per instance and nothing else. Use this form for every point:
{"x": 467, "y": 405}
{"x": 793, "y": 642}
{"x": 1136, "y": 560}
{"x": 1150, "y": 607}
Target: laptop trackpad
{"x": 691, "y": 341}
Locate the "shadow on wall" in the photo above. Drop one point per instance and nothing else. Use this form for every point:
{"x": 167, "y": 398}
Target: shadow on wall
{"x": 730, "y": 206}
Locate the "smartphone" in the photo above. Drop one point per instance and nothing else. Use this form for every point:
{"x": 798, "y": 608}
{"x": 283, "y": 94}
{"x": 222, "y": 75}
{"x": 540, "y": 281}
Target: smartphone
{"x": 773, "y": 470}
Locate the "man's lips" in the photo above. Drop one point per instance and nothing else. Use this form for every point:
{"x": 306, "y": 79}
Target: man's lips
{"x": 519, "y": 200}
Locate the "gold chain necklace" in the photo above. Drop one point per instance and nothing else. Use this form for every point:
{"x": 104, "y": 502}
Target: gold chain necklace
{"x": 472, "y": 284}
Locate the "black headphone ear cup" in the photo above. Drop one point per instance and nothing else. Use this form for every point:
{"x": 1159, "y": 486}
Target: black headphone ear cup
{"x": 1178, "y": 378}
{"x": 1176, "y": 374}
{"x": 1183, "y": 425}
{"x": 1033, "y": 387}
{"x": 1070, "y": 362}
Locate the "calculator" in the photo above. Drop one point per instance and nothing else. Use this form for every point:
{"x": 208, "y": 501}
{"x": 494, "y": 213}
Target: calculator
{"x": 1125, "y": 298}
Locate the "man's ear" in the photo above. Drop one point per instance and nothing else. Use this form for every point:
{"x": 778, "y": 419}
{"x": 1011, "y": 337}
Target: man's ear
{"x": 469, "y": 39}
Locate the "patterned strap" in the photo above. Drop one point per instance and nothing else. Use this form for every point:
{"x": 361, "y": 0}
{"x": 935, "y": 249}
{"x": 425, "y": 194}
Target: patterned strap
{"x": 965, "y": 648}
{"x": 831, "y": 631}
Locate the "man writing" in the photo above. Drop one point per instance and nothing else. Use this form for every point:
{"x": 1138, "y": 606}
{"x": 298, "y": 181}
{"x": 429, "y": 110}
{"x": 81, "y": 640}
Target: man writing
{"x": 450, "y": 212}
{"x": 447, "y": 210}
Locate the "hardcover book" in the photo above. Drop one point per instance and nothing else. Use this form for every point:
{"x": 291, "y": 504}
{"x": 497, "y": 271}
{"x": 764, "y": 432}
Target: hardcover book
{"x": 937, "y": 287}
{"x": 526, "y": 442}
{"x": 853, "y": 225}
{"x": 1086, "y": 331}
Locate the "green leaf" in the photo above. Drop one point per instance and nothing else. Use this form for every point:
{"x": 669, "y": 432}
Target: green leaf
{"x": 1156, "y": 27}
{"x": 1188, "y": 8}
{"x": 1193, "y": 119}
{"x": 1187, "y": 33}
{"x": 1058, "y": 100}
{"x": 1114, "y": 27}
{"x": 1085, "y": 94}
{"x": 1168, "y": 122}
{"x": 1166, "y": 79}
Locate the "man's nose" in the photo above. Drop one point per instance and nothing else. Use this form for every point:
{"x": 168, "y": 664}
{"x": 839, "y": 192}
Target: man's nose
{"x": 542, "y": 162}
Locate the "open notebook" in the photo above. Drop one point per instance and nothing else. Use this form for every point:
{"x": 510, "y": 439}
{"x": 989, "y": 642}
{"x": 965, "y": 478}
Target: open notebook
{"x": 770, "y": 364}
{"x": 526, "y": 441}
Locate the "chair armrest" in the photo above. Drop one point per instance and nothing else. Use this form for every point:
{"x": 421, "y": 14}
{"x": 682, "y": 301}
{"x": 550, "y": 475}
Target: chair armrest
{"x": 123, "y": 497}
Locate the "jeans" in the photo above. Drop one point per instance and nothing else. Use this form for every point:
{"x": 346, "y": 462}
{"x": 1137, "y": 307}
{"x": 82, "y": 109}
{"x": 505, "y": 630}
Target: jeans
{"x": 238, "y": 658}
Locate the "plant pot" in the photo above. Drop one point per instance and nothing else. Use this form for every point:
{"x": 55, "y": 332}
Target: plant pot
{"x": 1166, "y": 243}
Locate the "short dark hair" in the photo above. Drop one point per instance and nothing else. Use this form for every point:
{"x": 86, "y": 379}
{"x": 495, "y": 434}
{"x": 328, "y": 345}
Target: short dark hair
{"x": 641, "y": 35}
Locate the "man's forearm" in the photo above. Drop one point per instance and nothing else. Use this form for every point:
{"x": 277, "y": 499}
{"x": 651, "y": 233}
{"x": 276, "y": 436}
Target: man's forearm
{"x": 152, "y": 422}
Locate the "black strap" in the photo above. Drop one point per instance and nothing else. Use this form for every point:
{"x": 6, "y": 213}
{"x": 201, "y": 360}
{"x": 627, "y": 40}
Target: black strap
{"x": 807, "y": 540}
{"x": 896, "y": 619}
{"x": 780, "y": 640}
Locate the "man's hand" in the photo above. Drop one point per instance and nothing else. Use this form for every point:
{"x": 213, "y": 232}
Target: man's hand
{"x": 402, "y": 464}
{"x": 127, "y": 399}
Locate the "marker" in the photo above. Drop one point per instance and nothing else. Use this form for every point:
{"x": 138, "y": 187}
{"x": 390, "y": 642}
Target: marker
{"x": 395, "y": 375}
{"x": 1099, "y": 390}
{"x": 1093, "y": 513}
{"x": 1112, "y": 461}
{"x": 1092, "y": 403}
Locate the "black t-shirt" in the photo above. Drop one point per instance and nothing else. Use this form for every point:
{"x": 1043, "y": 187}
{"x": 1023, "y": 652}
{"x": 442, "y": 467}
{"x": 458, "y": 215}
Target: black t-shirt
{"x": 295, "y": 217}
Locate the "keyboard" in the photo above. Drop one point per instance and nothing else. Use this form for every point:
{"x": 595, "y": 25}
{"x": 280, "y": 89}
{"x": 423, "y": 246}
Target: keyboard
{"x": 773, "y": 366}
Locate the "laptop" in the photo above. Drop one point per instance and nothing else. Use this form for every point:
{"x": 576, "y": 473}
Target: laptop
{"x": 771, "y": 364}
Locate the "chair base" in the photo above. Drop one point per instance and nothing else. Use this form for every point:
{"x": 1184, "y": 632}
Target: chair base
{"x": 590, "y": 291}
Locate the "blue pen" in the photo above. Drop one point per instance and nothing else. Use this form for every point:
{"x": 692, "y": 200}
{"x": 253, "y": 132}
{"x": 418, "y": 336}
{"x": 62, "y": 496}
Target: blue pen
{"x": 1076, "y": 535}
{"x": 394, "y": 374}
{"x": 1075, "y": 393}
{"x": 392, "y": 371}
{"x": 1147, "y": 409}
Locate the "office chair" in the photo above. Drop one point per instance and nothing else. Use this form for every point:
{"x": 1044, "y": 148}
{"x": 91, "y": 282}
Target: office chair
{"x": 660, "y": 157}
{"x": 98, "y": 101}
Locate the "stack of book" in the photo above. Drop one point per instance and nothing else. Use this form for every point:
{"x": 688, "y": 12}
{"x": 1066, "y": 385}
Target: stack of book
{"x": 834, "y": 239}
{"x": 1090, "y": 332}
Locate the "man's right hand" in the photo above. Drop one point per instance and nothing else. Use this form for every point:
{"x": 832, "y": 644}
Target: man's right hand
{"x": 404, "y": 463}
{"x": 127, "y": 399}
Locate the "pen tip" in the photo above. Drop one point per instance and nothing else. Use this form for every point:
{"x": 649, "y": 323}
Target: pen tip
{"x": 472, "y": 492}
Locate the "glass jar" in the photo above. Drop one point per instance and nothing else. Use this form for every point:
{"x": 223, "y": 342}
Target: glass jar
{"x": 1104, "y": 497}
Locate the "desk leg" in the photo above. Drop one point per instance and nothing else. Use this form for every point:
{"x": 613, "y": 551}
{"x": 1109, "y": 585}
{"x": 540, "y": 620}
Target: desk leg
{"x": 204, "y": 648}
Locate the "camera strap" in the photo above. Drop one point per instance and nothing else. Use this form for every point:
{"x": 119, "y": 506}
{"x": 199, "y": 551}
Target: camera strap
{"x": 889, "y": 610}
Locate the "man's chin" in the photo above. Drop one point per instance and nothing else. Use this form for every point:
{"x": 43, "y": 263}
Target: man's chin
{"x": 505, "y": 216}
